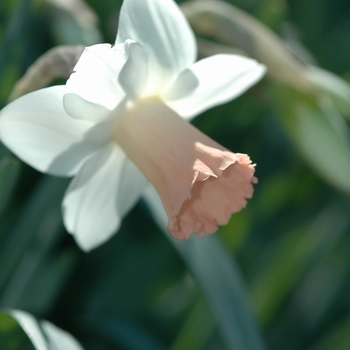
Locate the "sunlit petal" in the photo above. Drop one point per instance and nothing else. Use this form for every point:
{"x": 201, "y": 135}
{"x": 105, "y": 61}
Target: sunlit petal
{"x": 161, "y": 28}
{"x": 95, "y": 76}
{"x": 133, "y": 76}
{"x": 90, "y": 98}
{"x": 39, "y": 131}
{"x": 212, "y": 81}
{"x": 79, "y": 108}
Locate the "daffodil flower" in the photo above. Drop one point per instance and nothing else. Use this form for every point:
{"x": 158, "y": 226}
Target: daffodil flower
{"x": 121, "y": 121}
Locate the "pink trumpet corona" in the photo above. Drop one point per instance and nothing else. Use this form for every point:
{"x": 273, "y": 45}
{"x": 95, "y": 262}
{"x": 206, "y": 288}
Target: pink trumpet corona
{"x": 200, "y": 183}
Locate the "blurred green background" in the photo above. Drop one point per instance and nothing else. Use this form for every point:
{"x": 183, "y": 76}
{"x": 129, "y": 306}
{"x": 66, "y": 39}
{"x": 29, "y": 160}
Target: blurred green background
{"x": 291, "y": 243}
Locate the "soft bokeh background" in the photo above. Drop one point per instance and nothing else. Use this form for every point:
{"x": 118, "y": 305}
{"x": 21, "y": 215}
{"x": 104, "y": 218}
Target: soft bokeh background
{"x": 292, "y": 242}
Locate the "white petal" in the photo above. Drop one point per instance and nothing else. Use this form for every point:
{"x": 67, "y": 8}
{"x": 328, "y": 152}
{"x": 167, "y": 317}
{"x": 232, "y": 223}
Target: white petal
{"x": 105, "y": 188}
{"x": 131, "y": 185}
{"x": 212, "y": 81}
{"x": 79, "y": 108}
{"x": 134, "y": 74}
{"x": 38, "y": 130}
{"x": 103, "y": 89}
{"x": 162, "y": 29}
{"x": 95, "y": 76}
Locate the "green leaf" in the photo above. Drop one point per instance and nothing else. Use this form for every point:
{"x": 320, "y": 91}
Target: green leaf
{"x": 333, "y": 86}
{"x": 14, "y": 31}
{"x": 9, "y": 171}
{"x": 197, "y": 329}
{"x": 318, "y": 131}
{"x": 125, "y": 334}
{"x": 32, "y": 221}
{"x": 38, "y": 281}
{"x": 12, "y": 335}
{"x": 338, "y": 338}
{"x": 230, "y": 25}
{"x": 219, "y": 278}
{"x": 322, "y": 288}
{"x": 43, "y": 334}
{"x": 291, "y": 256}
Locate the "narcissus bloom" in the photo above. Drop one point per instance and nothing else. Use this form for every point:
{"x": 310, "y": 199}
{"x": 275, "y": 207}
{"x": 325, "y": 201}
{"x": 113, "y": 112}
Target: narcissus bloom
{"x": 122, "y": 120}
